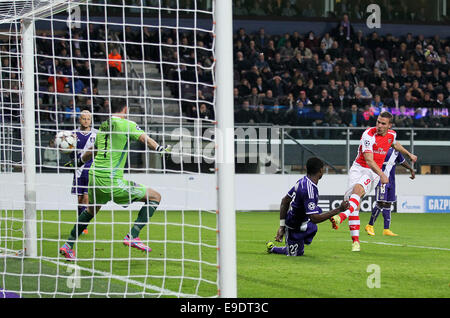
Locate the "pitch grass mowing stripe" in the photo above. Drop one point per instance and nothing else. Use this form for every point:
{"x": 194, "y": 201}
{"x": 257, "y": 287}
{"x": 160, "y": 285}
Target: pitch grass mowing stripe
{"x": 361, "y": 241}
{"x": 161, "y": 291}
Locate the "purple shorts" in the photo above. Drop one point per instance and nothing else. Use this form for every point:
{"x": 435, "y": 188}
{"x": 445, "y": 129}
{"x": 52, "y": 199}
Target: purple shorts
{"x": 385, "y": 193}
{"x": 296, "y": 239}
{"x": 80, "y": 185}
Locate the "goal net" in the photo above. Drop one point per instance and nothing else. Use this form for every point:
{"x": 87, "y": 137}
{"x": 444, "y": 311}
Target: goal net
{"x": 65, "y": 61}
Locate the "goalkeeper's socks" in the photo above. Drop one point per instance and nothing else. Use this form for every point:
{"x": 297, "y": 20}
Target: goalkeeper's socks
{"x": 354, "y": 203}
{"x": 83, "y": 221}
{"x": 144, "y": 214}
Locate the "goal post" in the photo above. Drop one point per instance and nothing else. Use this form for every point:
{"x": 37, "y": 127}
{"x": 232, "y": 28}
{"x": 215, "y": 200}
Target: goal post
{"x": 29, "y": 165}
{"x": 225, "y": 165}
{"x": 176, "y": 60}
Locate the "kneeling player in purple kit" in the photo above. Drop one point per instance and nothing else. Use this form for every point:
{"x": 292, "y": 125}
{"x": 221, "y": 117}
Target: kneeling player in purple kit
{"x": 85, "y": 140}
{"x": 385, "y": 193}
{"x": 299, "y": 212}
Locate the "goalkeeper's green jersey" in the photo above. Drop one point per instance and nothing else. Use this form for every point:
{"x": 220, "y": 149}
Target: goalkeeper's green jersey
{"x": 112, "y": 144}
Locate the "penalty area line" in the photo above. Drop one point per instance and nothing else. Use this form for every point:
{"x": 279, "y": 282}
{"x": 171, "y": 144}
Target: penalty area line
{"x": 160, "y": 290}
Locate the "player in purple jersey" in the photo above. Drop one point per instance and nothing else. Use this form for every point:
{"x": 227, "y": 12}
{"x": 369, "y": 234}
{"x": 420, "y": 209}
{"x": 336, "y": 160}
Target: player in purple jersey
{"x": 300, "y": 212}
{"x": 85, "y": 140}
{"x": 385, "y": 193}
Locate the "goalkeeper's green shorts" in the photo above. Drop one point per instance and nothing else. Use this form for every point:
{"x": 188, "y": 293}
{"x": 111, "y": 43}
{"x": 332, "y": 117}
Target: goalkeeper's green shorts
{"x": 120, "y": 191}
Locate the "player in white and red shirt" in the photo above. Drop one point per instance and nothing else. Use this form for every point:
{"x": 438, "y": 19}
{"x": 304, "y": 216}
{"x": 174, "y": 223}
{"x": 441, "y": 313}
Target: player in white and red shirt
{"x": 366, "y": 170}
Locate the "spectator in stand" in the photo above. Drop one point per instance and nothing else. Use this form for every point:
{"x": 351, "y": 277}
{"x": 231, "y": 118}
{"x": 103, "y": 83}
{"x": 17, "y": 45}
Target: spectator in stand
{"x": 71, "y": 112}
{"x": 51, "y": 156}
{"x": 411, "y": 65}
{"x": 261, "y": 115}
{"x": 58, "y": 81}
{"x": 311, "y": 41}
{"x": 396, "y": 101}
{"x": 402, "y": 119}
{"x": 204, "y": 112}
{"x": 409, "y": 101}
{"x": 377, "y": 103}
{"x": 276, "y": 116}
{"x": 261, "y": 86}
{"x": 269, "y": 99}
{"x": 278, "y": 87}
{"x": 325, "y": 99}
{"x": 369, "y": 116}
{"x": 287, "y": 51}
{"x": 353, "y": 117}
{"x": 381, "y": 63}
{"x": 304, "y": 51}
{"x": 303, "y": 99}
{"x": 327, "y": 65}
{"x": 261, "y": 62}
{"x": 277, "y": 66}
{"x": 114, "y": 63}
{"x": 441, "y": 102}
{"x": 383, "y": 90}
{"x": 270, "y": 50}
{"x": 333, "y": 119}
{"x": 363, "y": 90}
{"x": 316, "y": 118}
{"x": 245, "y": 115}
{"x": 244, "y": 87}
{"x": 242, "y": 64}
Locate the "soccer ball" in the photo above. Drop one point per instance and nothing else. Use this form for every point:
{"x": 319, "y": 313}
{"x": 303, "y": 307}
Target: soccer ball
{"x": 66, "y": 141}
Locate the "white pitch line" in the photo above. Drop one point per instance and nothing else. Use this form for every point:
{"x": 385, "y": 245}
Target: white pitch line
{"x": 123, "y": 279}
{"x": 406, "y": 245}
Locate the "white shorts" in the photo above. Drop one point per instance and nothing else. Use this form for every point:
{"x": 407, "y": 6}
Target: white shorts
{"x": 363, "y": 176}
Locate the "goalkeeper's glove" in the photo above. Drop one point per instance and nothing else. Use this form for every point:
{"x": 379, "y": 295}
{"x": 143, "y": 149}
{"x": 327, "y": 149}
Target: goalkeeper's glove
{"x": 74, "y": 164}
{"x": 164, "y": 150}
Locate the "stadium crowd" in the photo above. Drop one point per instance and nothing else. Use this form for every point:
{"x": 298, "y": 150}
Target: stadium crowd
{"x": 340, "y": 78}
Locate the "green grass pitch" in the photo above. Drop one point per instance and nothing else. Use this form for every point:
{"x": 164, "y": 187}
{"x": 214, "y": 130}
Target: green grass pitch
{"x": 414, "y": 264}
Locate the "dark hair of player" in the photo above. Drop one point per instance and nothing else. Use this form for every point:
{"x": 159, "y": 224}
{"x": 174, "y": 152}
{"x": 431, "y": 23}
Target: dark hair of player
{"x": 386, "y": 114}
{"x": 117, "y": 104}
{"x": 313, "y": 166}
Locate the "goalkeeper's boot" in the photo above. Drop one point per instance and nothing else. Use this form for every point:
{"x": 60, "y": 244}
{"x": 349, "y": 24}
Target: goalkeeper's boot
{"x": 388, "y": 232}
{"x": 67, "y": 252}
{"x": 356, "y": 246}
{"x": 369, "y": 230}
{"x": 136, "y": 243}
{"x": 269, "y": 247}
{"x": 335, "y": 221}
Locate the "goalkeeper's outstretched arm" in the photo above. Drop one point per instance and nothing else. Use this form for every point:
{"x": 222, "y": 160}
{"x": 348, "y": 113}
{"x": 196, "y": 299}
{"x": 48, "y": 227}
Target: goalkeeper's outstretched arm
{"x": 152, "y": 144}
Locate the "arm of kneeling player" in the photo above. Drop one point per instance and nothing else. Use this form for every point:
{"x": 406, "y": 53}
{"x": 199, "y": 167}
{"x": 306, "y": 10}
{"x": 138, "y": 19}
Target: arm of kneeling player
{"x": 320, "y": 217}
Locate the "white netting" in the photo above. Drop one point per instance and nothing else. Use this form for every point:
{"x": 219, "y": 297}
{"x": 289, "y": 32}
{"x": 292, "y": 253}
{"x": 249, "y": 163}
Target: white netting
{"x": 159, "y": 56}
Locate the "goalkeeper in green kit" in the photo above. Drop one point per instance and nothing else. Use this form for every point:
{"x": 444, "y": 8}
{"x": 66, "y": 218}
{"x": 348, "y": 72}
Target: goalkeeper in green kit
{"x": 106, "y": 182}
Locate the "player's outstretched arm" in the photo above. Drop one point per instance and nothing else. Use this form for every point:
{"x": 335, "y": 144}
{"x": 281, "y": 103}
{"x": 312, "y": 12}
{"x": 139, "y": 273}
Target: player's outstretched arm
{"x": 411, "y": 170}
{"x": 284, "y": 207}
{"x": 320, "y": 217}
{"x": 398, "y": 146}
{"x": 152, "y": 144}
